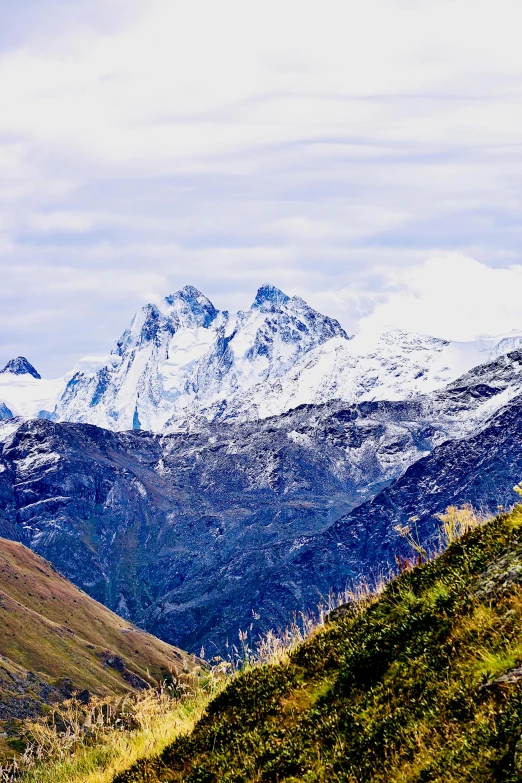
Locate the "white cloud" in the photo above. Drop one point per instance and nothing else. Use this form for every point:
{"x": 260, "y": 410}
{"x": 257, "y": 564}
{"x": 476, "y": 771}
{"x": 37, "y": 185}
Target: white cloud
{"x": 321, "y": 146}
{"x": 191, "y": 80}
{"x": 451, "y": 296}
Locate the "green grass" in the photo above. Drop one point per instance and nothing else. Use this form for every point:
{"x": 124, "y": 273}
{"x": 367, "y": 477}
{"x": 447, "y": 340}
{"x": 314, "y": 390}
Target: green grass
{"x": 399, "y": 692}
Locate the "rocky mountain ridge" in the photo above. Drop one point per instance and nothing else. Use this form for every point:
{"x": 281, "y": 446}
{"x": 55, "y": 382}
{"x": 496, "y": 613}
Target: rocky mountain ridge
{"x": 193, "y": 534}
{"x": 183, "y": 362}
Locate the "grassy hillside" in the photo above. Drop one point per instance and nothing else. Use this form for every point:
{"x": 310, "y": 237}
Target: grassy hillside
{"x": 55, "y": 640}
{"x": 422, "y": 685}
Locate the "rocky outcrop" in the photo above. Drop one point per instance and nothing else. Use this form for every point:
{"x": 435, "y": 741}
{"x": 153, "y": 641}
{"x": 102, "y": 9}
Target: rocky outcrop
{"x": 503, "y": 575}
{"x": 20, "y": 366}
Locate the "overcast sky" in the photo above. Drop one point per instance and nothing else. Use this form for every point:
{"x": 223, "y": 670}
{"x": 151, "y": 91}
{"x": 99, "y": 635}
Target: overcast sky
{"x": 364, "y": 155}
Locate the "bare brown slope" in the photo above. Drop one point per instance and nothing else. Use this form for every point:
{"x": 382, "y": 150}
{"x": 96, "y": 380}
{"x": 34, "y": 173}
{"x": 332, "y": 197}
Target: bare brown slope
{"x": 54, "y": 631}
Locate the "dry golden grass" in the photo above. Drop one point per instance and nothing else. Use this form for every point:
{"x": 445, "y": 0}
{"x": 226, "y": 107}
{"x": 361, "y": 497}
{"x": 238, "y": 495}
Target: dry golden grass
{"x": 92, "y": 744}
{"x": 456, "y": 522}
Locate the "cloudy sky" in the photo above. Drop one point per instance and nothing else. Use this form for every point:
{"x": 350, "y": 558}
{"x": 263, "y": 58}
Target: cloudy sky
{"x": 366, "y": 156}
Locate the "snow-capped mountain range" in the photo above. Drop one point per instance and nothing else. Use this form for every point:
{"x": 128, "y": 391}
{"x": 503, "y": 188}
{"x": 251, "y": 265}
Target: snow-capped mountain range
{"x": 183, "y": 359}
{"x": 189, "y": 533}
{"x": 280, "y": 458}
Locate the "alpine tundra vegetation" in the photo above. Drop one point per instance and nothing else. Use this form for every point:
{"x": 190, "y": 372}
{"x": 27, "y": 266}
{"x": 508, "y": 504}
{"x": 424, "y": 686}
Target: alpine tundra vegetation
{"x": 421, "y": 683}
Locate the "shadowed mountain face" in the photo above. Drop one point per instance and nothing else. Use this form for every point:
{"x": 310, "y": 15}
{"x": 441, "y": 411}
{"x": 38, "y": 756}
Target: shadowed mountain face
{"x": 20, "y": 366}
{"x": 181, "y": 532}
{"x": 195, "y": 535}
{"x": 481, "y": 469}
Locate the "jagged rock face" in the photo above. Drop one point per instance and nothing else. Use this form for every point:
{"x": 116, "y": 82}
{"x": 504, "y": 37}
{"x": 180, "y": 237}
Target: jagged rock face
{"x": 186, "y": 355}
{"x": 188, "y": 534}
{"x": 20, "y": 366}
{"x": 5, "y": 412}
{"x": 183, "y": 361}
{"x": 481, "y": 469}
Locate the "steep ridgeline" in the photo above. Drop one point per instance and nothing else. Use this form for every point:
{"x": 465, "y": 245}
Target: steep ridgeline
{"x": 184, "y": 355}
{"x": 55, "y": 641}
{"x": 197, "y": 534}
{"x": 183, "y": 360}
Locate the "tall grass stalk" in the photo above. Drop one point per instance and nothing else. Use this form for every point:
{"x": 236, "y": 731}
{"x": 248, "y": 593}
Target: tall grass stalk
{"x": 92, "y": 744}
{"x": 456, "y": 522}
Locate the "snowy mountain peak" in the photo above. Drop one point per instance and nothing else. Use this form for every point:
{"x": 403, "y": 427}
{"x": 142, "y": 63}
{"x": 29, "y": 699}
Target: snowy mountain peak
{"x": 20, "y": 366}
{"x": 157, "y": 324}
{"x": 190, "y": 307}
{"x": 181, "y": 356}
{"x": 182, "y": 359}
{"x": 269, "y": 298}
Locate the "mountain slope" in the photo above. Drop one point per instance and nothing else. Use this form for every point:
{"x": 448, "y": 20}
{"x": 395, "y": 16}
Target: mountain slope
{"x": 480, "y": 470}
{"x": 183, "y": 354}
{"x": 55, "y": 640}
{"x": 169, "y": 531}
{"x": 425, "y": 684}
{"x": 192, "y": 534}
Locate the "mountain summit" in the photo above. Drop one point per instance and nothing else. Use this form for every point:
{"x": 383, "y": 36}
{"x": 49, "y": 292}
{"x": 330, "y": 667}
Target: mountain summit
{"x": 183, "y": 357}
{"x": 20, "y": 366}
{"x": 182, "y": 362}
{"x": 268, "y": 297}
